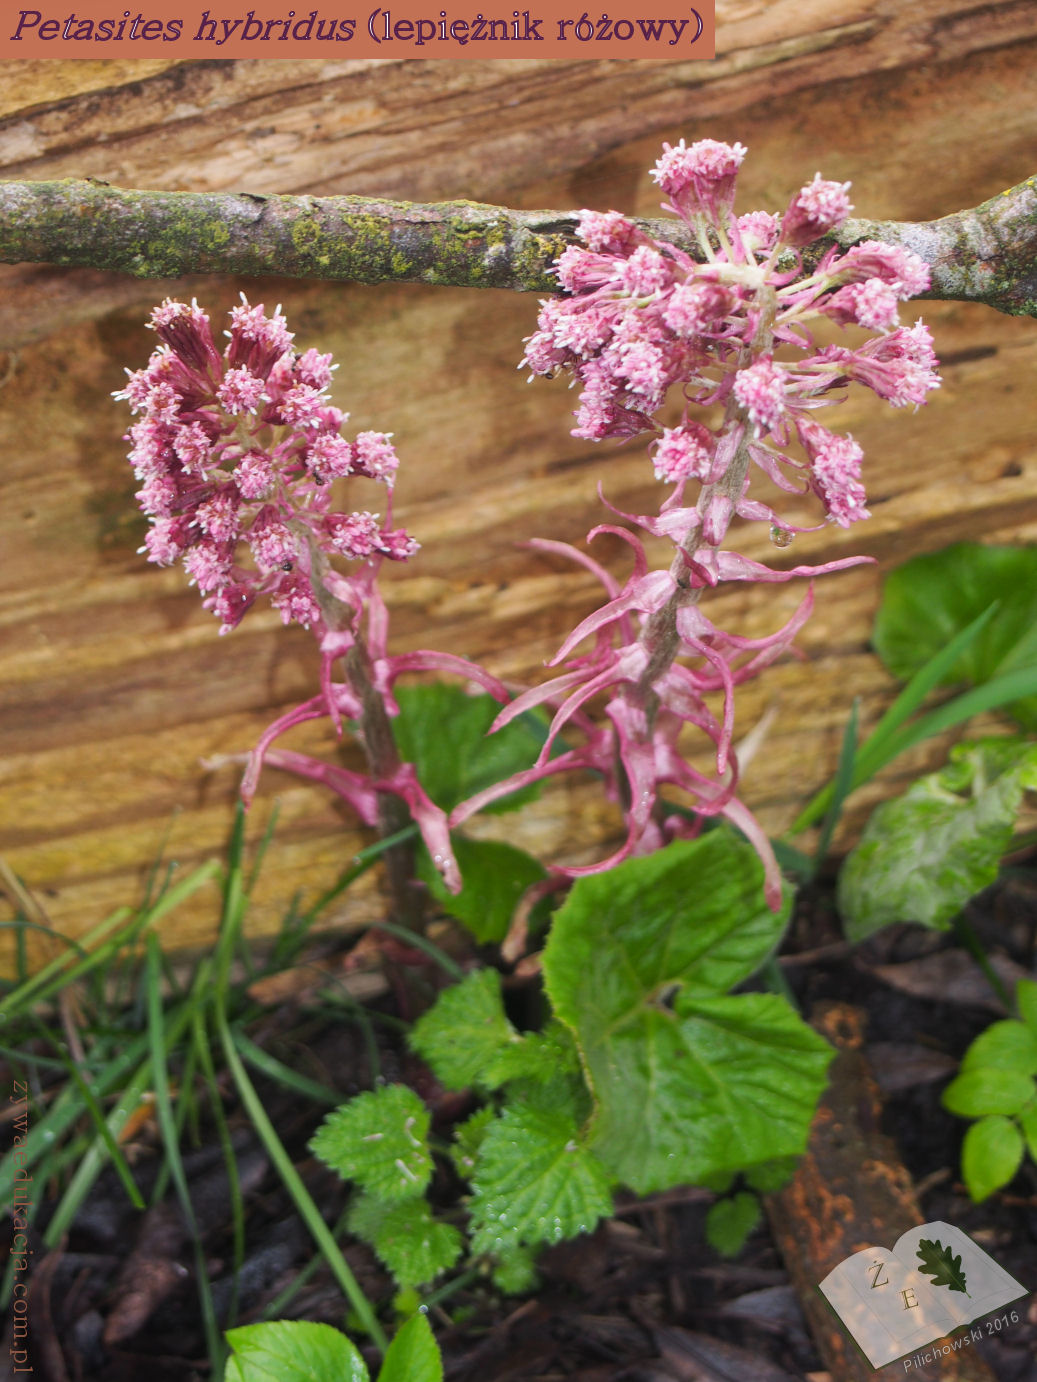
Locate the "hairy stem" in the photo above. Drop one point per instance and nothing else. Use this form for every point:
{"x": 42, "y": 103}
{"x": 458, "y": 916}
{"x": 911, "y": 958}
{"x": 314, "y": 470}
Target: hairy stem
{"x": 659, "y": 634}
{"x": 379, "y": 746}
{"x": 986, "y": 254}
{"x": 383, "y": 761}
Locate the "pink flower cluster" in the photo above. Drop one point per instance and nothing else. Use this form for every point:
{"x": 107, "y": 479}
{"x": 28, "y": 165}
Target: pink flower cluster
{"x": 236, "y": 453}
{"x": 644, "y": 320}
{"x": 729, "y": 331}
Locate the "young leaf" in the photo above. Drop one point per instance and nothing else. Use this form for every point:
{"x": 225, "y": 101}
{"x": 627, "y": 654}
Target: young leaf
{"x": 407, "y": 1238}
{"x": 468, "y": 1138}
{"x": 535, "y": 1180}
{"x": 515, "y": 1270}
{"x": 443, "y": 731}
{"x": 464, "y": 1030}
{"x": 292, "y": 1351}
{"x": 991, "y": 1153}
{"x": 413, "y": 1355}
{"x": 986, "y": 1090}
{"x": 379, "y": 1140}
{"x": 538, "y": 1057}
{"x": 770, "y": 1176}
{"x": 686, "y": 1084}
{"x": 941, "y": 1264}
{"x": 1028, "y": 1123}
{"x": 730, "y": 1222}
{"x": 1007, "y": 1045}
{"x": 468, "y": 1041}
{"x": 1026, "y": 1002}
{"x": 923, "y": 855}
{"x": 495, "y": 876}
{"x": 932, "y": 597}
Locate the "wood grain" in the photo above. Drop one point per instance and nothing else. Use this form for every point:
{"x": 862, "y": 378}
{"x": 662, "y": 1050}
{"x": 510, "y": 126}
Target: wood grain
{"x": 113, "y": 683}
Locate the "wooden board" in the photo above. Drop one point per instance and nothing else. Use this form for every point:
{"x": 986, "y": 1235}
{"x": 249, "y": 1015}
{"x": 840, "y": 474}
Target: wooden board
{"x": 113, "y": 683}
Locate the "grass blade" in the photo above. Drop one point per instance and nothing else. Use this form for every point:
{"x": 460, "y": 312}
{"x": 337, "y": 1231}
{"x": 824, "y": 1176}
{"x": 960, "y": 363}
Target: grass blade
{"x": 118, "y": 1161}
{"x": 157, "y": 1036}
{"x": 292, "y": 1181}
{"x": 875, "y": 753}
{"x": 842, "y": 786}
{"x": 283, "y": 1074}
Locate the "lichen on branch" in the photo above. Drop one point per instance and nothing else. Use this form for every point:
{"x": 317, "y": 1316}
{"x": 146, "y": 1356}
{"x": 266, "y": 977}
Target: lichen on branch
{"x": 987, "y": 254}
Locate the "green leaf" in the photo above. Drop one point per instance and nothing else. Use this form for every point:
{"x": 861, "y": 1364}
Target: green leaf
{"x": 443, "y": 731}
{"x": 1028, "y": 1123}
{"x": 976, "y": 1092}
{"x": 464, "y": 1030}
{"x": 537, "y": 1056}
{"x": 468, "y": 1138}
{"x": 1026, "y": 1002}
{"x": 379, "y": 1140}
{"x": 932, "y": 597}
{"x": 292, "y": 1351}
{"x": 1006, "y": 1045}
{"x": 730, "y": 1222}
{"x": 413, "y": 1355}
{"x": 991, "y": 1154}
{"x": 515, "y": 1271}
{"x": 409, "y": 1241}
{"x": 922, "y": 856}
{"x": 535, "y": 1180}
{"x": 692, "y": 914}
{"x": 941, "y": 1264}
{"x": 716, "y": 1085}
{"x": 495, "y": 876}
{"x": 770, "y": 1176}
{"x": 687, "y": 1085}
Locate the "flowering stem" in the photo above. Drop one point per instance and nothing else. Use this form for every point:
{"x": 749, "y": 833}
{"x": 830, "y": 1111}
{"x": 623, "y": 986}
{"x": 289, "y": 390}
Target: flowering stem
{"x": 378, "y": 742}
{"x": 660, "y": 634}
{"x": 383, "y": 762}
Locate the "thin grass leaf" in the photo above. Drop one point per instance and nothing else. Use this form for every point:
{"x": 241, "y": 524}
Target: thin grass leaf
{"x": 928, "y": 678}
{"x": 93, "y": 1160}
{"x": 96, "y": 1113}
{"x": 160, "y": 1047}
{"x": 200, "y": 1044}
{"x": 275, "y": 1308}
{"x": 283, "y": 1074}
{"x": 186, "y": 1110}
{"x": 842, "y": 786}
{"x": 179, "y": 892}
{"x": 15, "y": 1055}
{"x": 446, "y": 964}
{"x": 972, "y": 943}
{"x": 21, "y": 951}
{"x": 46, "y": 1132}
{"x": 46, "y": 981}
{"x": 150, "y": 880}
{"x": 292, "y": 1181}
{"x": 363, "y": 861}
{"x": 1003, "y": 690}
{"x": 58, "y": 973}
{"x": 892, "y": 735}
{"x": 263, "y": 846}
{"x": 23, "y": 924}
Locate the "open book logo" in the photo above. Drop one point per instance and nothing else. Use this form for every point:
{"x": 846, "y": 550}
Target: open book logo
{"x": 941, "y": 1264}
{"x": 934, "y": 1281}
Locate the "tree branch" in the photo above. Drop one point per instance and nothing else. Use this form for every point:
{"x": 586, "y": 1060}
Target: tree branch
{"x": 987, "y": 254}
